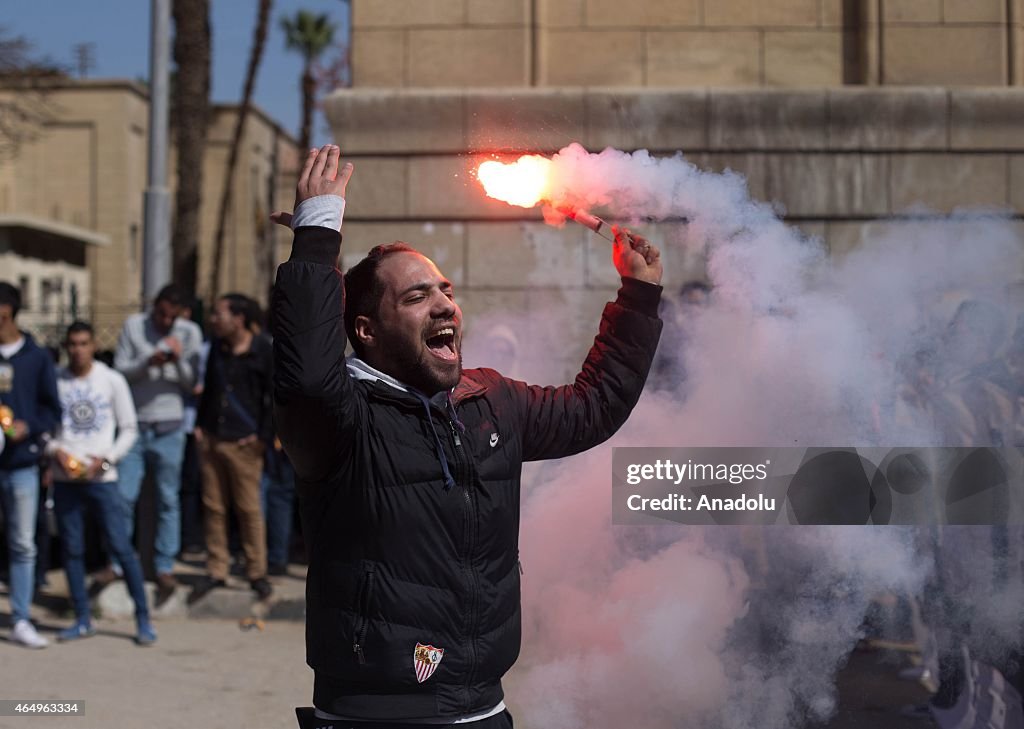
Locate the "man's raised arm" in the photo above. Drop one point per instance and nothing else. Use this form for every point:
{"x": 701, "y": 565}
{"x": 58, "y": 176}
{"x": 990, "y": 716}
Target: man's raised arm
{"x": 314, "y": 408}
{"x": 563, "y": 421}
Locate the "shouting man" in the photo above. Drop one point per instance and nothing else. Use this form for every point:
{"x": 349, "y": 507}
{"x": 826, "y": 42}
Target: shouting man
{"x": 410, "y": 466}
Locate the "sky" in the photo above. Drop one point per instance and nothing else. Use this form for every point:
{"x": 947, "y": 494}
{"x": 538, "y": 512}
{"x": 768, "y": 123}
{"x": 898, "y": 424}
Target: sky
{"x": 119, "y": 30}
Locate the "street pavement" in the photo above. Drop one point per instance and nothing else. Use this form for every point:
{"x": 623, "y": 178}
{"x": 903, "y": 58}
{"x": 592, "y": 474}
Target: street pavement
{"x": 207, "y": 672}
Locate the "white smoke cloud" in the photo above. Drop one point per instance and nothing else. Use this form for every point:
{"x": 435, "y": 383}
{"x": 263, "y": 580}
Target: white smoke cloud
{"x": 746, "y": 627}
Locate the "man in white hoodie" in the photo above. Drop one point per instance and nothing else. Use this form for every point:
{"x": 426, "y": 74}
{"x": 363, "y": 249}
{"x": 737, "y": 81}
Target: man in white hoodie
{"x": 98, "y": 428}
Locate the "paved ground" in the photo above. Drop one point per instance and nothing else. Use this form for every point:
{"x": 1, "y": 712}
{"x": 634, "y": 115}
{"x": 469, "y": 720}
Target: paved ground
{"x": 202, "y": 673}
{"x": 206, "y": 672}
{"x": 209, "y": 674}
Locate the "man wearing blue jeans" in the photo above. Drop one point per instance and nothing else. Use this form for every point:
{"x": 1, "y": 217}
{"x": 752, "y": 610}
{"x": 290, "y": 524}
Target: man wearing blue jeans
{"x": 97, "y": 428}
{"x": 157, "y": 352}
{"x": 28, "y": 394}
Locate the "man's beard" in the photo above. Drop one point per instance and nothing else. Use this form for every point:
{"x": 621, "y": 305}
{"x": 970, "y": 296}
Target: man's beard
{"x": 420, "y": 372}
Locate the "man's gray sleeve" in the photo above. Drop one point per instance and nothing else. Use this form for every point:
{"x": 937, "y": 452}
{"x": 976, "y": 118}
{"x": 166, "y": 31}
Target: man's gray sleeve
{"x": 127, "y": 359}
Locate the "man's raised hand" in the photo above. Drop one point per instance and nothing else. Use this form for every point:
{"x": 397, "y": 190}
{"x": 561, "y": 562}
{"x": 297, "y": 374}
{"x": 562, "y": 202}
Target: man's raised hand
{"x": 319, "y": 176}
{"x": 635, "y": 256}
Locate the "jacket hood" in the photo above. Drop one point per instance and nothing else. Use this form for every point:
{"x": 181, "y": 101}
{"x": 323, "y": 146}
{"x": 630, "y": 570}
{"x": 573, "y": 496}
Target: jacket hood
{"x": 359, "y": 370}
{"x": 468, "y": 385}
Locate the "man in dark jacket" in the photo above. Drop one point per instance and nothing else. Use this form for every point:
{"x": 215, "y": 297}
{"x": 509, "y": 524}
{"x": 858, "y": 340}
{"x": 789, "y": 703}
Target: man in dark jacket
{"x": 234, "y": 426}
{"x": 29, "y": 410}
{"x": 409, "y": 466}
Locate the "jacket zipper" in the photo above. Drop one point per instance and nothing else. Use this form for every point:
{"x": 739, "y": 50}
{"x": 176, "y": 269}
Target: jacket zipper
{"x": 467, "y": 496}
{"x": 362, "y": 614}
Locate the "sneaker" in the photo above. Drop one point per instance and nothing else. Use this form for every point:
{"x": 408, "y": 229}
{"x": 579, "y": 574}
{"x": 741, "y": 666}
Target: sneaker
{"x": 76, "y": 631}
{"x": 277, "y": 570}
{"x": 25, "y": 634}
{"x": 262, "y": 588}
{"x": 201, "y": 588}
{"x": 144, "y": 634}
{"x": 165, "y": 587}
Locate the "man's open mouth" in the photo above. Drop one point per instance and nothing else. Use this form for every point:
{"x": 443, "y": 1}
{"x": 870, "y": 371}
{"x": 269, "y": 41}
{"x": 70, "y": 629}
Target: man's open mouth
{"x": 442, "y": 344}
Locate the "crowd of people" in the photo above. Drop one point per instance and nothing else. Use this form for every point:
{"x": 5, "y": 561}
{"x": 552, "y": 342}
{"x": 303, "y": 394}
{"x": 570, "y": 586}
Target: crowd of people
{"x": 192, "y": 413}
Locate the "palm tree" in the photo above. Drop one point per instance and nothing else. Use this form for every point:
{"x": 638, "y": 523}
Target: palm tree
{"x": 259, "y": 41}
{"x": 191, "y": 114}
{"x": 310, "y": 35}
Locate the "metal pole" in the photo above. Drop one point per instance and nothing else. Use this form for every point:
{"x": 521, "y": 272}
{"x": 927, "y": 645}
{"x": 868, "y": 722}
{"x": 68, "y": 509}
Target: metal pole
{"x": 156, "y": 245}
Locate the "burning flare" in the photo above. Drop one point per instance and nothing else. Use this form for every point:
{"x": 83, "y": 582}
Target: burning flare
{"x": 523, "y": 182}
{"x": 526, "y": 183}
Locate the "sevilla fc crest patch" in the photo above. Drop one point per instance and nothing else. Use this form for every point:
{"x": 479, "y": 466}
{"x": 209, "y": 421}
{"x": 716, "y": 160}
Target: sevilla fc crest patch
{"x": 425, "y": 659}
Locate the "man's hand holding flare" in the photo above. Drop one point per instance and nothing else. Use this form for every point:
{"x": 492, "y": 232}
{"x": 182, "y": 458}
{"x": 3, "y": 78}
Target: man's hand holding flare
{"x": 636, "y": 257}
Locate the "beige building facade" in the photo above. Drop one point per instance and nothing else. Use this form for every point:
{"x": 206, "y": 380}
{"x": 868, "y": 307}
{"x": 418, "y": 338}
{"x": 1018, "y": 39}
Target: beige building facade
{"x": 845, "y": 114}
{"x": 264, "y": 183}
{"x": 685, "y": 43}
{"x": 71, "y": 205}
{"x": 81, "y": 171}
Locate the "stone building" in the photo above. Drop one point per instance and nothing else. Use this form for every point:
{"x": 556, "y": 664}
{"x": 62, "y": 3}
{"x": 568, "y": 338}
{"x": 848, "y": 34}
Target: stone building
{"x": 264, "y": 182}
{"x": 845, "y": 113}
{"x": 71, "y": 207}
{"x": 85, "y": 171}
{"x": 47, "y": 261}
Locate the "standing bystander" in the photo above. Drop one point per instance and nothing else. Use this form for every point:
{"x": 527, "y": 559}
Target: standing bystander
{"x": 156, "y": 352}
{"x": 29, "y": 410}
{"x": 98, "y": 427}
{"x": 234, "y": 426}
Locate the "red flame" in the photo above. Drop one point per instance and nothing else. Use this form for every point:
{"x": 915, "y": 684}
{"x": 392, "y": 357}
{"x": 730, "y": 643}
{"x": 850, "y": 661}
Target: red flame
{"x": 523, "y": 182}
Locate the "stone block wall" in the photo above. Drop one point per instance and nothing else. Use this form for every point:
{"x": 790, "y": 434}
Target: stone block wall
{"x": 686, "y": 43}
{"x": 954, "y": 42}
{"x": 690, "y": 43}
{"x": 841, "y": 113}
{"x": 837, "y": 163}
{"x": 428, "y": 43}
{"x": 875, "y": 151}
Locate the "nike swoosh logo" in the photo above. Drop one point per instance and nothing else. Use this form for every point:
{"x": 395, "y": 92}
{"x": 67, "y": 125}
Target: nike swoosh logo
{"x": 494, "y": 439}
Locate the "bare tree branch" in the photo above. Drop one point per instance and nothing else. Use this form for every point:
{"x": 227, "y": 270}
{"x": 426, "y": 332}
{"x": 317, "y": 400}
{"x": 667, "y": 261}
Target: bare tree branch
{"x": 25, "y": 106}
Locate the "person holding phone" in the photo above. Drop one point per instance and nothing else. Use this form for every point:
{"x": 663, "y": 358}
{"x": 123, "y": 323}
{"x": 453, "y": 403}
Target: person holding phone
{"x": 157, "y": 352}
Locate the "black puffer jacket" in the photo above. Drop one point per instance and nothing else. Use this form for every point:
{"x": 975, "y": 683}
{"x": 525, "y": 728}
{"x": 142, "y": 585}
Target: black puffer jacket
{"x": 396, "y": 558}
